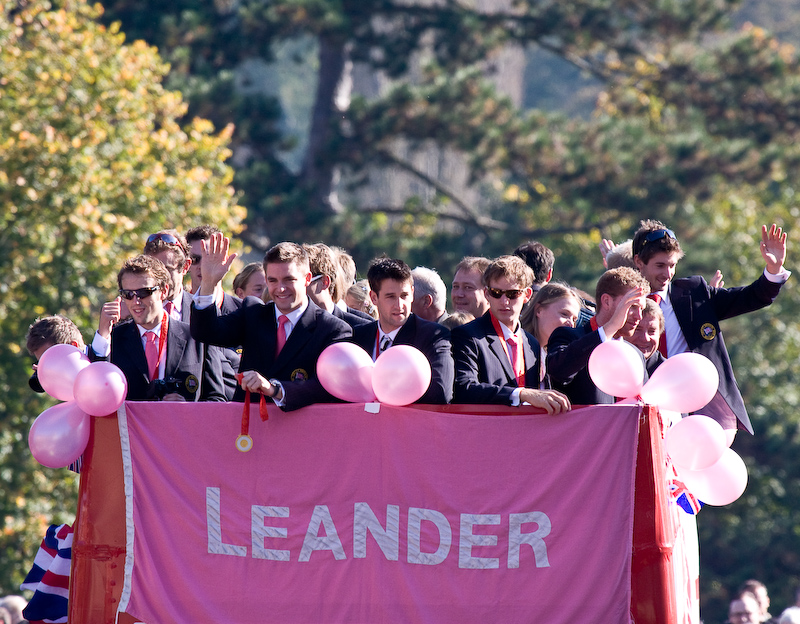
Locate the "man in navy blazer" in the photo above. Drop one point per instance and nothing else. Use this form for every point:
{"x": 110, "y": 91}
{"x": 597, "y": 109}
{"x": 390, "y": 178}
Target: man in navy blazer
{"x": 392, "y": 291}
{"x": 693, "y": 309}
{"x": 487, "y": 350}
{"x": 620, "y": 297}
{"x": 182, "y": 369}
{"x": 281, "y": 341}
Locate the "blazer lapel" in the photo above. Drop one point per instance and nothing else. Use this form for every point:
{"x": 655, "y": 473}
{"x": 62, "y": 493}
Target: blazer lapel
{"x": 176, "y": 345}
{"x": 132, "y": 348}
{"x": 496, "y": 347}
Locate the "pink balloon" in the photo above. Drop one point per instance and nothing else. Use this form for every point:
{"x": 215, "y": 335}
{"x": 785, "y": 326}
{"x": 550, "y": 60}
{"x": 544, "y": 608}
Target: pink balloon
{"x": 730, "y": 434}
{"x": 720, "y": 484}
{"x": 59, "y": 435}
{"x": 345, "y": 370}
{"x": 695, "y": 442}
{"x": 100, "y": 389}
{"x": 684, "y": 383}
{"x": 616, "y": 368}
{"x": 402, "y": 375}
{"x": 57, "y": 369}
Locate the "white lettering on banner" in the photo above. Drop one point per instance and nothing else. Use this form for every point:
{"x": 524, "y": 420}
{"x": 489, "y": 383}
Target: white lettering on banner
{"x": 214, "y": 523}
{"x": 260, "y": 532}
{"x": 415, "y": 518}
{"x": 387, "y": 538}
{"x": 468, "y": 539}
{"x": 329, "y": 541}
{"x": 536, "y": 539}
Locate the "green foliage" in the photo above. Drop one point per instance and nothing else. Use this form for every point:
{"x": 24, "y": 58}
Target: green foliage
{"x": 91, "y": 159}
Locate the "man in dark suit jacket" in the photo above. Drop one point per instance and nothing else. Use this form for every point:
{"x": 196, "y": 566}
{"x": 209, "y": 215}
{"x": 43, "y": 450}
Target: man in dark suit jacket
{"x": 693, "y": 309}
{"x": 620, "y": 299}
{"x": 287, "y": 374}
{"x": 489, "y": 366}
{"x": 392, "y": 291}
{"x": 180, "y": 368}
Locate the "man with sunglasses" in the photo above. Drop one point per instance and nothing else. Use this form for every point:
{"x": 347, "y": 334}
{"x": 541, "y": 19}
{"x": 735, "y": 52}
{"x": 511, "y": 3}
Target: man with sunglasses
{"x": 281, "y": 341}
{"x": 693, "y": 309}
{"x": 620, "y": 296}
{"x": 157, "y": 354}
{"x": 392, "y": 293}
{"x": 171, "y": 248}
{"x": 496, "y": 360}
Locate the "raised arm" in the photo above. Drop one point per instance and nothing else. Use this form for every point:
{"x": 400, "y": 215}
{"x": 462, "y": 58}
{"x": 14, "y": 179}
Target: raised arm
{"x": 773, "y": 248}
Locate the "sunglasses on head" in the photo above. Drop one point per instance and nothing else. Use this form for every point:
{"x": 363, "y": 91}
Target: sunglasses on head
{"x": 164, "y": 237}
{"x": 142, "y": 293}
{"x": 658, "y": 235}
{"x": 513, "y": 293}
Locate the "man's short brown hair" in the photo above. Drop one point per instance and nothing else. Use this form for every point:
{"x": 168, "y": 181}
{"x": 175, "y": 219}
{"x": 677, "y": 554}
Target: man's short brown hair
{"x": 513, "y": 268}
{"x": 146, "y": 265}
{"x": 52, "y": 330}
{"x": 201, "y": 233}
{"x": 472, "y": 264}
{"x": 646, "y": 249}
{"x": 322, "y": 261}
{"x": 286, "y": 252}
{"x": 384, "y": 268}
{"x": 616, "y": 282}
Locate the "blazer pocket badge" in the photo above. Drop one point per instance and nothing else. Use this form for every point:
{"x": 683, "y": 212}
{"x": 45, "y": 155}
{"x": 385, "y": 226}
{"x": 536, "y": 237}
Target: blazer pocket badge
{"x": 708, "y": 331}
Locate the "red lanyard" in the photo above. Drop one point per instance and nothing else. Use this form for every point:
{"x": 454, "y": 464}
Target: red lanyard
{"x": 519, "y": 373}
{"x": 162, "y": 341}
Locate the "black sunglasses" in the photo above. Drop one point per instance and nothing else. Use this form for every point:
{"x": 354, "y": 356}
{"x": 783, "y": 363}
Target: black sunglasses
{"x": 496, "y": 293}
{"x": 164, "y": 237}
{"x": 142, "y": 293}
{"x": 658, "y": 235}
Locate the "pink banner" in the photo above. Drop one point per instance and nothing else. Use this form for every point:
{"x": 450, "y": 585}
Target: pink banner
{"x": 338, "y": 515}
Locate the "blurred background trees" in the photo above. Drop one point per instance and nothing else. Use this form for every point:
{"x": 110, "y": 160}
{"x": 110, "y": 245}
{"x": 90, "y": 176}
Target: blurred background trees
{"x": 429, "y": 131}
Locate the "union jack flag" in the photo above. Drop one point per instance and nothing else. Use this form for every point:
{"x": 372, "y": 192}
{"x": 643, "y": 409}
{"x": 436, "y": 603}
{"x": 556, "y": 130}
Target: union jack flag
{"x": 683, "y": 497}
{"x": 49, "y": 577}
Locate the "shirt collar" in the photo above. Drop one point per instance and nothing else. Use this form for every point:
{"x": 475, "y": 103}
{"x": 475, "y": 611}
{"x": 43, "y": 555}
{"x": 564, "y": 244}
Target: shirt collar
{"x": 294, "y": 315}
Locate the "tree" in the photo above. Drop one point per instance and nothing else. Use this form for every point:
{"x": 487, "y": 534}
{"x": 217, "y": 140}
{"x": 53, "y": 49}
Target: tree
{"x": 92, "y": 158}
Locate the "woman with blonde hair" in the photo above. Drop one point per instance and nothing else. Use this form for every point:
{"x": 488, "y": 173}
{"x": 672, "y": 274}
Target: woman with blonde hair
{"x": 554, "y": 305}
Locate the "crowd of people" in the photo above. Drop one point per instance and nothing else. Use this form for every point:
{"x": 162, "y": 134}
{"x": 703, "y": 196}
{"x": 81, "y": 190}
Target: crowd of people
{"x": 513, "y": 335}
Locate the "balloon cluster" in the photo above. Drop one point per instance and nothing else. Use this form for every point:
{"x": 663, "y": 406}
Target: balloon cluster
{"x": 60, "y": 433}
{"x": 697, "y": 445}
{"x": 399, "y": 376}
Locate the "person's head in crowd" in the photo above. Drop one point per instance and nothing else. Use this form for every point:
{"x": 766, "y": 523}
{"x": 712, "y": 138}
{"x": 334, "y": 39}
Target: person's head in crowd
{"x": 457, "y": 319}
{"x": 14, "y": 606}
{"x": 648, "y": 332}
{"x": 613, "y": 286}
{"x": 467, "y": 291}
{"x": 391, "y": 290}
{"x": 345, "y": 271}
{"x": 656, "y": 252}
{"x": 540, "y": 259}
{"x": 357, "y": 297}
{"x": 759, "y": 591}
{"x": 790, "y": 615}
{"x": 143, "y": 283}
{"x": 555, "y": 305}
{"x": 508, "y": 288}
{"x": 288, "y": 276}
{"x": 324, "y": 287}
{"x": 171, "y": 248}
{"x": 621, "y": 255}
{"x": 744, "y": 610}
{"x": 250, "y": 281}
{"x": 52, "y": 330}
{"x": 195, "y": 238}
{"x": 430, "y": 294}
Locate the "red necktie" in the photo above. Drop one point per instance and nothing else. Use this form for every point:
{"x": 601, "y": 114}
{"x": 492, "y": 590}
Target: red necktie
{"x": 662, "y": 341}
{"x": 516, "y": 361}
{"x": 282, "y": 320}
{"x": 170, "y": 308}
{"x": 151, "y": 353}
